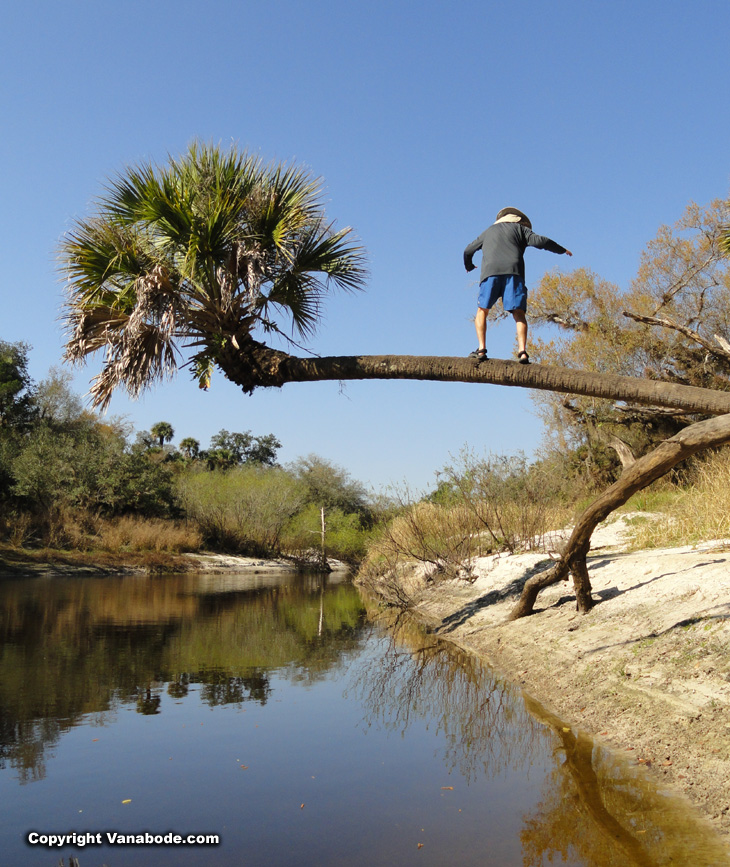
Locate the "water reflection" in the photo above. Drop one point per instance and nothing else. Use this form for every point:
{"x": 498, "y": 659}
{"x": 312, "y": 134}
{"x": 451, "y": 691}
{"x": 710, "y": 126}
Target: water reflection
{"x": 534, "y": 790}
{"x": 596, "y": 809}
{"x": 420, "y": 676}
{"x": 69, "y": 648}
{"x": 599, "y": 808}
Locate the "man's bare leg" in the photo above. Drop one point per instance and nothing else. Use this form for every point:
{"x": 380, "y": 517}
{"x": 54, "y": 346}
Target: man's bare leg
{"x": 480, "y": 323}
{"x": 521, "y": 325}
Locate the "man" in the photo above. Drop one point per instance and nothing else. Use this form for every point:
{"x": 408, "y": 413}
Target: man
{"x": 503, "y": 246}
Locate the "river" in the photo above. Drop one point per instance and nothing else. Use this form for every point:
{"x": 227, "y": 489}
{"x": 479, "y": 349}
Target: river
{"x": 279, "y": 720}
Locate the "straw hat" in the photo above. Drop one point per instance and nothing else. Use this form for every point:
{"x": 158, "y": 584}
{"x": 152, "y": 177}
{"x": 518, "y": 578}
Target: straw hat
{"x": 524, "y": 219}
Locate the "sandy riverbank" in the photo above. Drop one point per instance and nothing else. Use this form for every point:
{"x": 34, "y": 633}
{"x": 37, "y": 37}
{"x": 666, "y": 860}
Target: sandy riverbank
{"x": 647, "y": 671}
{"x": 17, "y": 562}
{"x": 233, "y": 563}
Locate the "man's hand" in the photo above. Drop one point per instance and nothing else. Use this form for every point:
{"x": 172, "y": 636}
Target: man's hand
{"x": 568, "y": 253}
{"x": 472, "y": 268}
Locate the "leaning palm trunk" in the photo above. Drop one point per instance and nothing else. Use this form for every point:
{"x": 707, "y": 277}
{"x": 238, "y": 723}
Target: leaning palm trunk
{"x": 254, "y": 365}
{"x": 261, "y": 366}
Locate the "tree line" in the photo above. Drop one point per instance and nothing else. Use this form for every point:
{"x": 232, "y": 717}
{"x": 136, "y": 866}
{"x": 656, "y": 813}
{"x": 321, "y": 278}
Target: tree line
{"x": 71, "y": 478}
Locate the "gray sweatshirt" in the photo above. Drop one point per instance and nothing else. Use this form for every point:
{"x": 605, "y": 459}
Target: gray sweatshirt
{"x": 503, "y": 246}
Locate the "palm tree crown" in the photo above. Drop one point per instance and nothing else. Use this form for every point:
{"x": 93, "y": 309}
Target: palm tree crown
{"x": 197, "y": 254}
{"x": 163, "y": 432}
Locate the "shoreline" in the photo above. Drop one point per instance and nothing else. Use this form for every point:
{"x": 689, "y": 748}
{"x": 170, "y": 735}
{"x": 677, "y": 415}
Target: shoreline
{"x": 49, "y": 562}
{"x": 645, "y": 673}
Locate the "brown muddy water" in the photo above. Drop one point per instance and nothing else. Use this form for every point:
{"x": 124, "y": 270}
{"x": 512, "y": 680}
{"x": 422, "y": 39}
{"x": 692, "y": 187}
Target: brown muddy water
{"x": 294, "y": 723}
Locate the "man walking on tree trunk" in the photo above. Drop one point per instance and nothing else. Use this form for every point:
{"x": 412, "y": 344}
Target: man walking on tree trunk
{"x": 503, "y": 247}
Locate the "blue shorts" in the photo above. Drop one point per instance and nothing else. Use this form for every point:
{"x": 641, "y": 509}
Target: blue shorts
{"x": 509, "y": 287}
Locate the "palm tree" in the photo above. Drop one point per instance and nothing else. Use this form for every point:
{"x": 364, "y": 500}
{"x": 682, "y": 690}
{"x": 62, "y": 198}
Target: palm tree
{"x": 190, "y": 447}
{"x": 198, "y": 254}
{"x": 162, "y": 431}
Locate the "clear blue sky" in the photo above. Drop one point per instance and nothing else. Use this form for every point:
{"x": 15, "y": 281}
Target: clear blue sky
{"x": 599, "y": 120}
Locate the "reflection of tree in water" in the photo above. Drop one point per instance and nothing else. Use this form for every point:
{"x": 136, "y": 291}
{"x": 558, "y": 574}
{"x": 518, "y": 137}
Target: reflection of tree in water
{"x": 419, "y": 676}
{"x": 595, "y": 810}
{"x": 216, "y": 688}
{"x": 219, "y": 688}
{"x": 25, "y": 743}
{"x": 179, "y": 687}
{"x": 148, "y": 702}
{"x": 602, "y": 813}
{"x": 77, "y": 647}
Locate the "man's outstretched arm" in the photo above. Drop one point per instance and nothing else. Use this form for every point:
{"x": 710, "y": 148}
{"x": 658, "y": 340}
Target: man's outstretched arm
{"x": 543, "y": 243}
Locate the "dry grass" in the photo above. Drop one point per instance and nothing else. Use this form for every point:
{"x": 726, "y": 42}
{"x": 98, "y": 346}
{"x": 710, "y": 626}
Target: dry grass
{"x": 443, "y": 537}
{"x": 487, "y": 514}
{"x": 700, "y": 511}
{"x": 76, "y": 530}
{"x": 136, "y": 534}
{"x": 38, "y": 561}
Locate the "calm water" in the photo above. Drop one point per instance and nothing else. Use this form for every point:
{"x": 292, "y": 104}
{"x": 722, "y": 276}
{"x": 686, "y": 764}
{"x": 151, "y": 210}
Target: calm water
{"x": 299, "y": 725}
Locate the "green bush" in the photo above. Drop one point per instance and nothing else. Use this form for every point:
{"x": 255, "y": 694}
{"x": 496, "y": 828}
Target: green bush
{"x": 242, "y": 510}
{"x": 88, "y": 466}
{"x": 330, "y": 486}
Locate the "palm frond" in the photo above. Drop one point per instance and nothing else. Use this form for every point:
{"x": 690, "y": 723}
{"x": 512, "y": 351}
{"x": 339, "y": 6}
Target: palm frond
{"x": 102, "y": 257}
{"x": 301, "y": 296}
{"x": 134, "y": 365}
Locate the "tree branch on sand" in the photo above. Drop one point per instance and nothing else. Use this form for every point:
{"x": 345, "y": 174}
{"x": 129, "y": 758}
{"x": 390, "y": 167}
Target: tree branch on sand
{"x": 702, "y": 435}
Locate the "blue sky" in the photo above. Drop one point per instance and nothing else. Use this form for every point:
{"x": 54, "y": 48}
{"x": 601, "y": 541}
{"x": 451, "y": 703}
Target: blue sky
{"x": 600, "y": 120}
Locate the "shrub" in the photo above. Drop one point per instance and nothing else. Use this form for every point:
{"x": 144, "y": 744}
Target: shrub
{"x": 330, "y": 486}
{"x": 243, "y": 510}
{"x": 88, "y": 466}
{"x": 441, "y": 537}
{"x": 515, "y": 503}
{"x": 479, "y": 507}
